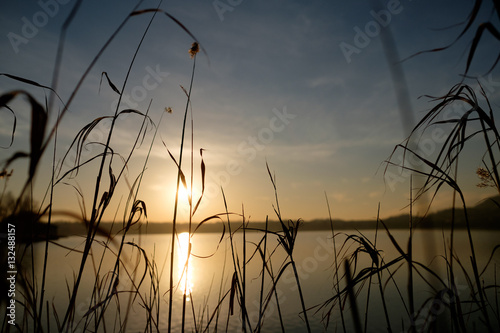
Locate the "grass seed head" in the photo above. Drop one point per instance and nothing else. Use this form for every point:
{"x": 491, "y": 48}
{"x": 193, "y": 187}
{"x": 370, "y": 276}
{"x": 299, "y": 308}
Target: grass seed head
{"x": 195, "y": 48}
{"x": 5, "y": 174}
{"x": 485, "y": 177}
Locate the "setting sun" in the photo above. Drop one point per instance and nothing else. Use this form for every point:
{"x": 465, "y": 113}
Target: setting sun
{"x": 184, "y": 198}
{"x": 184, "y": 194}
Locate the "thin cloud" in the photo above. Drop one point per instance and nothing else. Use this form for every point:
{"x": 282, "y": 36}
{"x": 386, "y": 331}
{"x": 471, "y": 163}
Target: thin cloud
{"x": 325, "y": 81}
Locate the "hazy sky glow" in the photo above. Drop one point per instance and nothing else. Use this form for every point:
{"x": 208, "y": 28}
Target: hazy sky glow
{"x": 304, "y": 86}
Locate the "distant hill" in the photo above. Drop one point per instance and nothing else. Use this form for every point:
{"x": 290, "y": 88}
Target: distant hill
{"x": 485, "y": 215}
{"x": 27, "y": 228}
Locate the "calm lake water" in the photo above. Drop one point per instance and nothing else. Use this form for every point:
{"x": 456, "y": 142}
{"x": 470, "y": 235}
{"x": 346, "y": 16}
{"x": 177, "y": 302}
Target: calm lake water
{"x": 209, "y": 276}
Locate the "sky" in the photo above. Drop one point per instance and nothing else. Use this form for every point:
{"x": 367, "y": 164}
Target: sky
{"x": 302, "y": 86}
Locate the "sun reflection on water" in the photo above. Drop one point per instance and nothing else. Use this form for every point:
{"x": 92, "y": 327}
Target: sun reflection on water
{"x": 185, "y": 265}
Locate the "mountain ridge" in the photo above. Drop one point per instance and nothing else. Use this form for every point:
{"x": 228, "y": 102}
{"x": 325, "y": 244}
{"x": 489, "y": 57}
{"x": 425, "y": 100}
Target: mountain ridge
{"x": 485, "y": 216}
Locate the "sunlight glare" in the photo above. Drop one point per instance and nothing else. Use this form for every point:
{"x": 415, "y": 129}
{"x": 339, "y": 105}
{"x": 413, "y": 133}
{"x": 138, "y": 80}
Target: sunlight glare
{"x": 184, "y": 264}
{"x": 183, "y": 194}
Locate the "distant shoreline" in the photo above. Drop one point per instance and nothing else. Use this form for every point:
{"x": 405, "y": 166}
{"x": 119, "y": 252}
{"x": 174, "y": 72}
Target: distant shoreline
{"x": 484, "y": 216}
{"x": 479, "y": 219}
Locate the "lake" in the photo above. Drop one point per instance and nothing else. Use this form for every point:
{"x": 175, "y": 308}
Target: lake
{"x": 211, "y": 269}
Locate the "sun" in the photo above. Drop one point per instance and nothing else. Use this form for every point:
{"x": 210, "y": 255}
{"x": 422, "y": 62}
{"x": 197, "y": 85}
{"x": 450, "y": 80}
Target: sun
{"x": 184, "y": 206}
{"x": 185, "y": 194}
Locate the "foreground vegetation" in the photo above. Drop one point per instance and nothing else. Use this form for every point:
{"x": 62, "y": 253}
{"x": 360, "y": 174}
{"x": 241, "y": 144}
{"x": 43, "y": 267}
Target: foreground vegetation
{"x": 137, "y": 280}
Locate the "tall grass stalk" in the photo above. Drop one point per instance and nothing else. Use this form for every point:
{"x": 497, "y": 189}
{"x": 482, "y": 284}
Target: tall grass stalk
{"x": 174, "y": 220}
{"x": 336, "y": 268}
{"x": 496, "y": 293}
{"x": 352, "y": 298}
{"x": 264, "y": 260}
{"x": 52, "y": 97}
{"x": 184, "y": 296}
{"x": 96, "y": 212}
{"x": 379, "y": 278}
{"x": 288, "y": 243}
{"x": 456, "y": 307}
{"x": 244, "y": 280}
{"x": 138, "y": 207}
{"x": 441, "y": 169}
{"x": 135, "y": 198}
{"x": 375, "y": 265}
{"x": 273, "y": 292}
{"x": 219, "y": 298}
{"x": 237, "y": 286}
{"x": 95, "y": 218}
{"x": 411, "y": 297}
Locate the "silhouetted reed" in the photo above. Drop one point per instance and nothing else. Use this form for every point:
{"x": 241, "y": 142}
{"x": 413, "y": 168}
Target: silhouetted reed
{"x": 135, "y": 276}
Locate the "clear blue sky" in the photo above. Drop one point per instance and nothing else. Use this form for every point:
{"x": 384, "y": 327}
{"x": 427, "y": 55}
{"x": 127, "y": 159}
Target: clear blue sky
{"x": 302, "y": 85}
